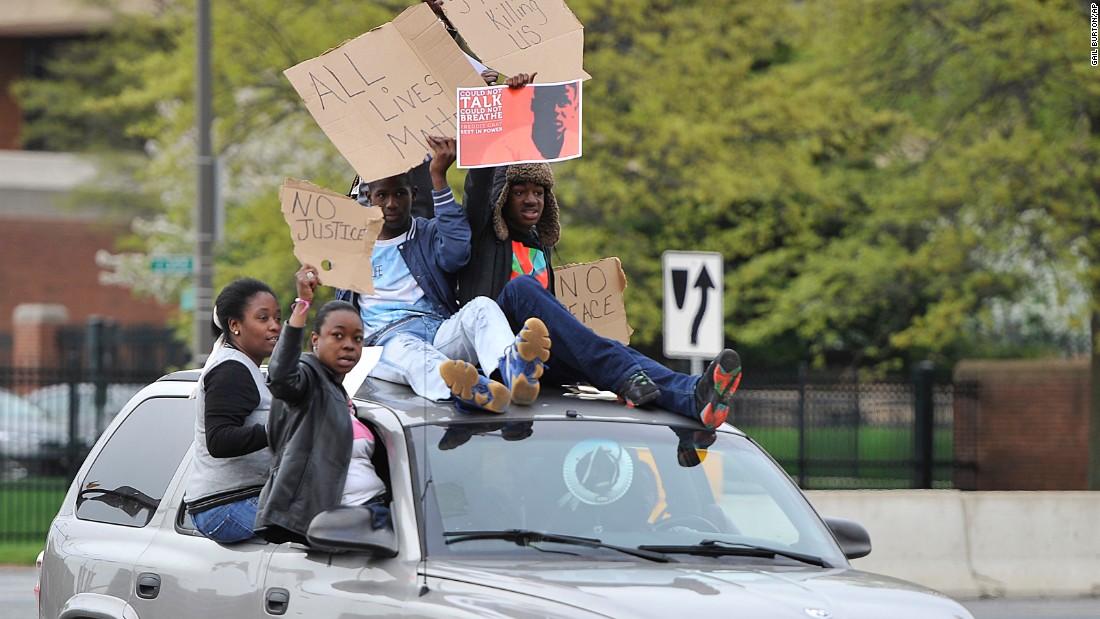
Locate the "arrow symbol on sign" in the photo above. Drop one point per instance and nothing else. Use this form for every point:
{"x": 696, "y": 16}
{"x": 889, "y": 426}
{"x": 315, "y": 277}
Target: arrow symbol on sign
{"x": 704, "y": 284}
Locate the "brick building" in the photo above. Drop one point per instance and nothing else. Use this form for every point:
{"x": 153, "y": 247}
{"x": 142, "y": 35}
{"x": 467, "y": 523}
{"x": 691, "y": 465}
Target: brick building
{"x": 48, "y": 246}
{"x": 47, "y": 252}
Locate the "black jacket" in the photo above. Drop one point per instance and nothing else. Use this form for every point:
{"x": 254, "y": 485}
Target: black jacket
{"x": 490, "y": 264}
{"x": 310, "y": 432}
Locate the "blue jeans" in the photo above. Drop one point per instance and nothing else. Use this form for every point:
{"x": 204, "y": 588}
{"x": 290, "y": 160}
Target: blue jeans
{"x": 578, "y": 353}
{"x": 227, "y": 523}
{"x": 380, "y": 509}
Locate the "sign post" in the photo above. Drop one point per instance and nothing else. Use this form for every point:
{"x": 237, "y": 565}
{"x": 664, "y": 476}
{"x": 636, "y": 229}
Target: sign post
{"x": 693, "y": 308}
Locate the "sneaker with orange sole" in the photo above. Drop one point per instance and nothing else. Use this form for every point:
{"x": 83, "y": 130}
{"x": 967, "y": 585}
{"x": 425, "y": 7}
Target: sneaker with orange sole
{"x": 472, "y": 391}
{"x": 524, "y": 362}
{"x": 716, "y": 387}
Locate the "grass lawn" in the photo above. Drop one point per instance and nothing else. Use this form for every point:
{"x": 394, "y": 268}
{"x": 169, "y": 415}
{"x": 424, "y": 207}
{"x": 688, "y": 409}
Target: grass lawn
{"x": 26, "y": 508}
{"x": 867, "y": 456}
{"x": 20, "y": 554}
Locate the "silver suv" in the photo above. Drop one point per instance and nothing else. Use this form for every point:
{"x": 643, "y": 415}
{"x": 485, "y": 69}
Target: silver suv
{"x": 569, "y": 508}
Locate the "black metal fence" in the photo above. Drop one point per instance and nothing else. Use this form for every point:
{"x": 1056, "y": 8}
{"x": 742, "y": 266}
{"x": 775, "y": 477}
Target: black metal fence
{"x": 51, "y": 416}
{"x": 832, "y": 431}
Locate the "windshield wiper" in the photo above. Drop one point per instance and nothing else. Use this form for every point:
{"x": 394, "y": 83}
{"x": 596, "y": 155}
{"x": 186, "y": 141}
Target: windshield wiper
{"x": 722, "y": 548}
{"x": 526, "y": 537}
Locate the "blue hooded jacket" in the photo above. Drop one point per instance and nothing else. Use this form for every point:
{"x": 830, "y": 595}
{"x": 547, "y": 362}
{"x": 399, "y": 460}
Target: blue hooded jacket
{"x": 435, "y": 250}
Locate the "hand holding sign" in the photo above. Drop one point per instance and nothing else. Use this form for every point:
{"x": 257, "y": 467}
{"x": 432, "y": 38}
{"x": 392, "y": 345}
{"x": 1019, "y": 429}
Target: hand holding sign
{"x": 443, "y": 157}
{"x": 512, "y": 36}
{"x": 307, "y": 280}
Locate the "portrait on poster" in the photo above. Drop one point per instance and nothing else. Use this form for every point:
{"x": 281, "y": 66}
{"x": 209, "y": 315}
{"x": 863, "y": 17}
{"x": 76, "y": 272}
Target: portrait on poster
{"x": 498, "y": 125}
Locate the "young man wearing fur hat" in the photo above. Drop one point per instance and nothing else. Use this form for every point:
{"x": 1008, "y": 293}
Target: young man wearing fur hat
{"x": 513, "y": 217}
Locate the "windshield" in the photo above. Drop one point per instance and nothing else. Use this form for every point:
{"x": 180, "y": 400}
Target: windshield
{"x": 700, "y": 496}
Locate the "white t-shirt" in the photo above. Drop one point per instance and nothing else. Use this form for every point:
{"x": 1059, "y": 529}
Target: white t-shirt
{"x": 363, "y": 482}
{"x": 396, "y": 293}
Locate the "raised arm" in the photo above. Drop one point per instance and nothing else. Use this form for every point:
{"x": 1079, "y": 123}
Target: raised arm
{"x": 286, "y": 378}
{"x": 452, "y": 231}
{"x": 477, "y": 195}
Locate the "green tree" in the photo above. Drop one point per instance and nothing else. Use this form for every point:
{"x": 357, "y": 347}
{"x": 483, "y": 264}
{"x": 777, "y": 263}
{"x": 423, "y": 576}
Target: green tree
{"x": 1007, "y": 110}
{"x": 708, "y": 129}
{"x": 878, "y": 175}
{"x": 870, "y": 170}
{"x": 1001, "y": 104}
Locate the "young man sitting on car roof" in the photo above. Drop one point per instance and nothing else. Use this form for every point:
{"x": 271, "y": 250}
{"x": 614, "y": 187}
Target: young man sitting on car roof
{"x": 513, "y": 217}
{"x": 427, "y": 340}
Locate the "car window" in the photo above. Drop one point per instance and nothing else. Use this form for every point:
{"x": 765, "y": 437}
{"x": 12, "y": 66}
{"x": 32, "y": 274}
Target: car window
{"x": 127, "y": 481}
{"x": 622, "y": 483}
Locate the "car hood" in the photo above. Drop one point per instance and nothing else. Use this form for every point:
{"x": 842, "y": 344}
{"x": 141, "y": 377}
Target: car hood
{"x": 615, "y": 589}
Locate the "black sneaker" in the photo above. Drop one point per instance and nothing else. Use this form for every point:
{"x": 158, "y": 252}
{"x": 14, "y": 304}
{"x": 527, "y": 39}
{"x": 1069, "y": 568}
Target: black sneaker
{"x": 715, "y": 388}
{"x": 638, "y": 390}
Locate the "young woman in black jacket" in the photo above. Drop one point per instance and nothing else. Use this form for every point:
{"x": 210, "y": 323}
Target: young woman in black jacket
{"x": 322, "y": 451}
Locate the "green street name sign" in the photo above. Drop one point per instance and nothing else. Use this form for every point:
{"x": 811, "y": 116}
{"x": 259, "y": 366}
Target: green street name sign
{"x": 179, "y": 264}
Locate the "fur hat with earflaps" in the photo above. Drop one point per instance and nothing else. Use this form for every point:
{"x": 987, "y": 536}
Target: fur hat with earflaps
{"x": 548, "y": 228}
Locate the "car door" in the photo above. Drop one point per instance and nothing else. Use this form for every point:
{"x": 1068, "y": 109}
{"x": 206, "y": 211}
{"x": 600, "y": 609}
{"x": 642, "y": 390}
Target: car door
{"x": 115, "y": 508}
{"x": 306, "y": 583}
{"x": 181, "y": 574}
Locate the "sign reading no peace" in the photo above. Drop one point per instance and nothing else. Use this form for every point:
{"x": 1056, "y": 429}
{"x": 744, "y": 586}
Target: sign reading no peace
{"x": 593, "y": 293}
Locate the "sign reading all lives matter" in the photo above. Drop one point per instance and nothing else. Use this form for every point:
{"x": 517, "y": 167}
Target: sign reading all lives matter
{"x": 498, "y": 125}
{"x": 522, "y": 36}
{"x": 593, "y": 293}
{"x": 332, "y": 232}
{"x": 377, "y": 95}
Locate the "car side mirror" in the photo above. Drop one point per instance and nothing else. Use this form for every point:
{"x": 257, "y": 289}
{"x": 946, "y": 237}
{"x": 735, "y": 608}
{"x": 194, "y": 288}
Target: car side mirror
{"x": 854, "y": 540}
{"x": 351, "y": 528}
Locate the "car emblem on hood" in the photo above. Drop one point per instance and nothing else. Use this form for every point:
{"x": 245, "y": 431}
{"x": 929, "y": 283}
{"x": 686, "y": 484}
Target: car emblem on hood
{"x": 818, "y": 613}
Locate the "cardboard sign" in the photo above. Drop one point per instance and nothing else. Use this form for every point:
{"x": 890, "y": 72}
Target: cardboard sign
{"x": 332, "y": 232}
{"x": 522, "y": 36}
{"x": 378, "y": 95}
{"x": 593, "y": 292}
{"x": 498, "y": 125}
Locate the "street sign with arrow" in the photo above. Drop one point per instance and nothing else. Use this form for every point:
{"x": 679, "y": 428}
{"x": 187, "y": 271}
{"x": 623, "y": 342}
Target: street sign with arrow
{"x": 693, "y": 305}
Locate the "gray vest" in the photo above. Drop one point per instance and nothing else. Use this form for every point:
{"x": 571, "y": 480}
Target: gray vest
{"x": 212, "y": 476}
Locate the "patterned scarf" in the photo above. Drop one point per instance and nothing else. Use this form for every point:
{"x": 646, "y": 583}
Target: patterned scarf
{"x": 529, "y": 261}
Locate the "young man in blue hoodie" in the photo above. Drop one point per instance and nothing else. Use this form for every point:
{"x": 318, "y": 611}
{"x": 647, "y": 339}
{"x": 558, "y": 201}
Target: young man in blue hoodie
{"x": 427, "y": 340}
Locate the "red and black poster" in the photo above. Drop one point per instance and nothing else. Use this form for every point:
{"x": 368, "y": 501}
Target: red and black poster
{"x": 498, "y": 125}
